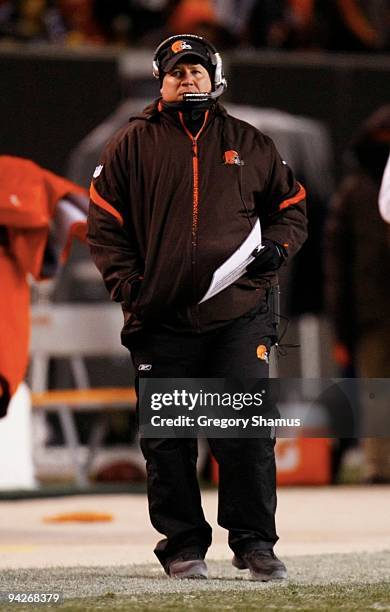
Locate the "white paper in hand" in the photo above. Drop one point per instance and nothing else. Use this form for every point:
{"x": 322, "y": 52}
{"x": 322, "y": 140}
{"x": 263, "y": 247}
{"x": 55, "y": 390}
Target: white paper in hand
{"x": 235, "y": 266}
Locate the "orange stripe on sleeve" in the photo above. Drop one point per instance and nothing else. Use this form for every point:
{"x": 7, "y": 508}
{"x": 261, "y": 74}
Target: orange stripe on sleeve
{"x": 295, "y": 199}
{"x": 99, "y": 201}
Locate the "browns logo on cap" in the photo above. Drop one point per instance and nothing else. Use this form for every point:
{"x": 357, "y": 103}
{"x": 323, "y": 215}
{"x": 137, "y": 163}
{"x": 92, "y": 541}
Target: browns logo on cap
{"x": 180, "y": 45}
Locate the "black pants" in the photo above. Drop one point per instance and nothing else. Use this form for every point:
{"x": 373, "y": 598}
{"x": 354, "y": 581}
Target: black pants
{"x": 247, "y": 483}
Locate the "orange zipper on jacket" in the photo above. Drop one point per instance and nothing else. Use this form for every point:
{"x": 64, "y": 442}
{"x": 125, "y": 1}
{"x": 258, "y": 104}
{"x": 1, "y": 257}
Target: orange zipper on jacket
{"x": 195, "y": 176}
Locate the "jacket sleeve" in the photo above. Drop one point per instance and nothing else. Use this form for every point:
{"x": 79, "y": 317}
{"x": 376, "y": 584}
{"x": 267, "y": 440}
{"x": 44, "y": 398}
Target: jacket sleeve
{"x": 110, "y": 235}
{"x": 283, "y": 210}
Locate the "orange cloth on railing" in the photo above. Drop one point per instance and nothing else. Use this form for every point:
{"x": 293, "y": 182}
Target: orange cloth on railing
{"x": 28, "y": 198}
{"x": 14, "y": 327}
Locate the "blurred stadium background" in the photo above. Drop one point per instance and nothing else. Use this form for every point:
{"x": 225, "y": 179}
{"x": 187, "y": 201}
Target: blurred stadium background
{"x": 308, "y": 73}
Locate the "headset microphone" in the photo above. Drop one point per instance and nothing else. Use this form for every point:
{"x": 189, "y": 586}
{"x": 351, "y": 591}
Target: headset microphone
{"x": 203, "y": 96}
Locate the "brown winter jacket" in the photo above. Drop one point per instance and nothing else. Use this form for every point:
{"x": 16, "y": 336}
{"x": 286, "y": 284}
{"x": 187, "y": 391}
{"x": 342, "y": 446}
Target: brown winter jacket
{"x": 168, "y": 208}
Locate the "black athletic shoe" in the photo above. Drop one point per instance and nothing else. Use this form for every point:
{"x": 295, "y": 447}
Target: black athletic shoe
{"x": 187, "y": 565}
{"x": 262, "y": 564}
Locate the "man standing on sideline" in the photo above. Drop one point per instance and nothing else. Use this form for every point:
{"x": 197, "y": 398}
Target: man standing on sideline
{"x": 176, "y": 192}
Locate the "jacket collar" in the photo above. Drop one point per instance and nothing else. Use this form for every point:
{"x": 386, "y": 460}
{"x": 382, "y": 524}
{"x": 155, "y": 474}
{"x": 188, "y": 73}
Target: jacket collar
{"x": 153, "y": 111}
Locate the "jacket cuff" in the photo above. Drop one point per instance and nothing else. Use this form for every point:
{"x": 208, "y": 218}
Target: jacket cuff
{"x": 130, "y": 291}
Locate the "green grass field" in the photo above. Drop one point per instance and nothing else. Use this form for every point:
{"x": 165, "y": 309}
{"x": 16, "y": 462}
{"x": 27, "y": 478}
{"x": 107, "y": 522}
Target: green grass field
{"x": 291, "y": 597}
{"x": 317, "y": 583}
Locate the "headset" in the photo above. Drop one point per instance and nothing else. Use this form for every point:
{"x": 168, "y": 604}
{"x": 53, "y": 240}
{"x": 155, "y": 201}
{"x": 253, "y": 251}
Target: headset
{"x": 220, "y": 82}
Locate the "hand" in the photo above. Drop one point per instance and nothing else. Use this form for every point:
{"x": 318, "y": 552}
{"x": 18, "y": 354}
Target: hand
{"x": 269, "y": 259}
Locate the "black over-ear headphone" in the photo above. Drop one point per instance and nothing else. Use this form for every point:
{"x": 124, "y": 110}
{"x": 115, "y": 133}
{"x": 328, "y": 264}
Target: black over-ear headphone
{"x": 220, "y": 82}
